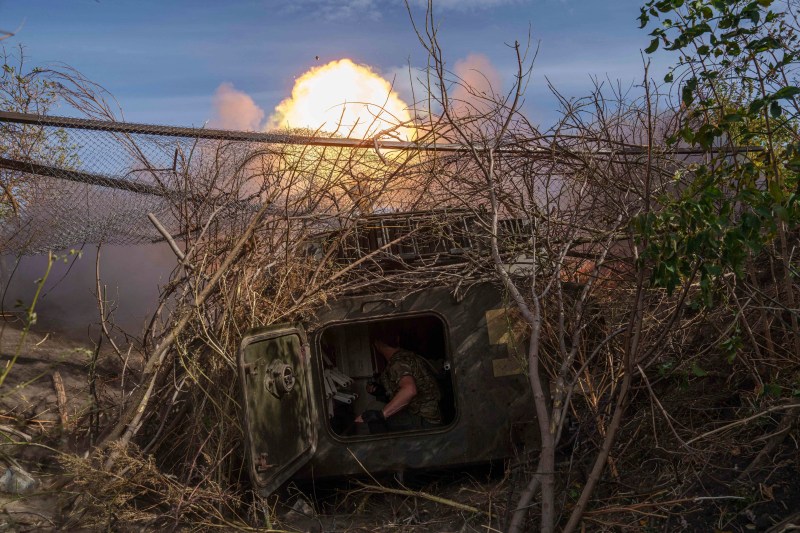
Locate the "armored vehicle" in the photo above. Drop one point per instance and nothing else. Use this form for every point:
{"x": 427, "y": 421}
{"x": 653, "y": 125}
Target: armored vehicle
{"x": 304, "y": 384}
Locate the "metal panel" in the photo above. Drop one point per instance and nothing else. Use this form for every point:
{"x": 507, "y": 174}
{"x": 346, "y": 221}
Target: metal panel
{"x": 277, "y": 387}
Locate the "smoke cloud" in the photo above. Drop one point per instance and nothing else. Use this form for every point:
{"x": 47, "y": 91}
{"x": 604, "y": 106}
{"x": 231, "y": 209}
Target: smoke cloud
{"x": 479, "y": 81}
{"x": 132, "y": 276}
{"x": 235, "y": 110}
{"x": 405, "y": 83}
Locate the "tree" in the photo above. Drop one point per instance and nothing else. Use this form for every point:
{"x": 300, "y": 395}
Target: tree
{"x": 738, "y": 78}
{"x": 617, "y": 184}
{"x": 577, "y": 186}
{"x": 735, "y": 218}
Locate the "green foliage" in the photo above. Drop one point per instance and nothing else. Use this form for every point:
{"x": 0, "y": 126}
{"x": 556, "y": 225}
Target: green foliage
{"x": 731, "y": 346}
{"x": 737, "y": 72}
{"x": 25, "y": 90}
{"x": 29, "y": 318}
{"x": 697, "y": 371}
{"x": 772, "y": 389}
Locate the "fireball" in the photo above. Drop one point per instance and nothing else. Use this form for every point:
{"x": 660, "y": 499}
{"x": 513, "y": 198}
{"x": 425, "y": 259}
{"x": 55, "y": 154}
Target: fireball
{"x": 345, "y": 99}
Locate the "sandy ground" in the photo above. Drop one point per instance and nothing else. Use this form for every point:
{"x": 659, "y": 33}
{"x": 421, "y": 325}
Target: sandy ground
{"x": 44, "y": 401}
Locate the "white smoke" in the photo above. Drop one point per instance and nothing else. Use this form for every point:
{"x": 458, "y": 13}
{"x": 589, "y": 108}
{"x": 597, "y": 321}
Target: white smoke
{"x": 235, "y": 110}
{"x": 479, "y": 82}
{"x": 131, "y": 276}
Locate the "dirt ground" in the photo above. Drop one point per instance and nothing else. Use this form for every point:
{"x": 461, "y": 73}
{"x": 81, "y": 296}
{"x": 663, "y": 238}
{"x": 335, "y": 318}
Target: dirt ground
{"x": 45, "y": 393}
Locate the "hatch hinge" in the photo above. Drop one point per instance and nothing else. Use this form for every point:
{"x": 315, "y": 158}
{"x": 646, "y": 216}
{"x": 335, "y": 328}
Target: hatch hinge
{"x": 262, "y": 463}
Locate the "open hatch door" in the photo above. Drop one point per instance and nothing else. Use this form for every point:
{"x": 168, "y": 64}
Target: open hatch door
{"x": 275, "y": 372}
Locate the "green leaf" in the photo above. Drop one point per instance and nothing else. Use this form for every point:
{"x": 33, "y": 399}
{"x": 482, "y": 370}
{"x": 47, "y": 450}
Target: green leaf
{"x": 733, "y": 49}
{"x": 732, "y": 118}
{"x": 653, "y": 46}
{"x": 697, "y": 371}
{"x": 687, "y": 94}
{"x": 780, "y": 212}
{"x": 756, "y": 105}
{"x": 772, "y": 389}
{"x": 668, "y": 77}
{"x": 786, "y": 92}
{"x": 664, "y": 6}
{"x": 752, "y": 13}
{"x": 775, "y": 109}
{"x": 644, "y": 18}
{"x": 776, "y": 192}
{"x": 794, "y": 164}
{"x": 705, "y": 135}
{"x": 665, "y": 367}
{"x": 764, "y": 44}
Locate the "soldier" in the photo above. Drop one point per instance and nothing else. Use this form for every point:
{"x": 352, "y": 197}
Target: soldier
{"x": 409, "y": 387}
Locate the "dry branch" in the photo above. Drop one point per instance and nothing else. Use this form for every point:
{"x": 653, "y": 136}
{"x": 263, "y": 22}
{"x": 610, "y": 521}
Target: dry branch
{"x": 423, "y": 495}
{"x": 129, "y": 424}
{"x": 61, "y": 399}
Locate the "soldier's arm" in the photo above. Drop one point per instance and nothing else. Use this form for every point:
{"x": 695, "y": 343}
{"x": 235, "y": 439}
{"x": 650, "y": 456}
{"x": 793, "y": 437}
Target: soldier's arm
{"x": 407, "y": 389}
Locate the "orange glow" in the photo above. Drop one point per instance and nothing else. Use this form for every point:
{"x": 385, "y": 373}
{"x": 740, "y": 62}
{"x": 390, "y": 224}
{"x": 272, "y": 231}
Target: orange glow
{"x": 344, "y": 98}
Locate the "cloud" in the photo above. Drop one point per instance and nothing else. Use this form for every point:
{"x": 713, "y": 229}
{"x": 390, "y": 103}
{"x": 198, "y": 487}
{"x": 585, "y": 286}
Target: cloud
{"x": 333, "y": 10}
{"x": 478, "y": 82}
{"x": 465, "y": 5}
{"x": 405, "y": 85}
{"x": 235, "y": 110}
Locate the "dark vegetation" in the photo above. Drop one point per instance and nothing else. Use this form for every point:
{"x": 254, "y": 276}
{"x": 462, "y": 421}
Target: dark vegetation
{"x": 659, "y": 291}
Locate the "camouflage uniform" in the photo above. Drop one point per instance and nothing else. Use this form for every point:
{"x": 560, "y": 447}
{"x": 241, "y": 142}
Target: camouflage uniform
{"x": 426, "y": 403}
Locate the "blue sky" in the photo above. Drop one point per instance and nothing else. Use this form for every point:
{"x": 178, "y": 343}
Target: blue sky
{"x": 164, "y": 60}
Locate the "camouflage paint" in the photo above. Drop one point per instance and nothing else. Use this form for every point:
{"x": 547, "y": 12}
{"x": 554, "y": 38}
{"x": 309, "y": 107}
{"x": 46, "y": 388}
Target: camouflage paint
{"x": 280, "y": 431}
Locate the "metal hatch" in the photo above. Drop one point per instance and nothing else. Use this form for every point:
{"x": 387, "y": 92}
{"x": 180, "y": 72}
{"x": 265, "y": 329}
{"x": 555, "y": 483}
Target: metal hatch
{"x": 275, "y": 372}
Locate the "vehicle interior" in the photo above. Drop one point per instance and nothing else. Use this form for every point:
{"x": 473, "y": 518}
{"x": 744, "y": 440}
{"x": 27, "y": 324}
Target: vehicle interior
{"x": 351, "y": 362}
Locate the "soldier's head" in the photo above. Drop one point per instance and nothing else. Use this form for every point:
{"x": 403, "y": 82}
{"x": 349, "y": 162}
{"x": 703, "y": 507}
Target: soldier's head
{"x": 386, "y": 342}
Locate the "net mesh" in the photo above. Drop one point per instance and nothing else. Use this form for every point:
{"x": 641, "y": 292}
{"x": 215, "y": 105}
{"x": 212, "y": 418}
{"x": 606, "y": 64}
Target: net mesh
{"x": 67, "y": 182}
